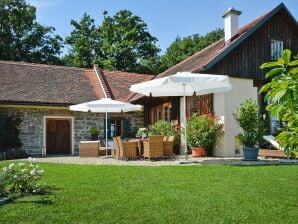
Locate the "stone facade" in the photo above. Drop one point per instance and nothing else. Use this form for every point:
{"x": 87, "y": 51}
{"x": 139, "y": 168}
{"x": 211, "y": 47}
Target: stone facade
{"x": 32, "y": 133}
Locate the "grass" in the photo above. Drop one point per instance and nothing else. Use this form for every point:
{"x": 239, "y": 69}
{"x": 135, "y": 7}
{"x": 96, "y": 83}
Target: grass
{"x": 168, "y": 194}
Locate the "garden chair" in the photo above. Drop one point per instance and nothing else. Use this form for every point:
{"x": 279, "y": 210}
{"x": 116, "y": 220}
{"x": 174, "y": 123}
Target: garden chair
{"x": 153, "y": 147}
{"x": 127, "y": 149}
{"x": 116, "y": 151}
{"x": 168, "y": 145}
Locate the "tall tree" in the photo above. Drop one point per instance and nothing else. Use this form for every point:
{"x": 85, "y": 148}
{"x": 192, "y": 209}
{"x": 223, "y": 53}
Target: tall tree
{"x": 182, "y": 48}
{"x": 127, "y": 44}
{"x": 22, "y": 38}
{"x": 84, "y": 43}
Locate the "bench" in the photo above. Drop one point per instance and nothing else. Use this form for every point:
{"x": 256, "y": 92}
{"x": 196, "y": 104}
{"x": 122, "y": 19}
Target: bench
{"x": 272, "y": 153}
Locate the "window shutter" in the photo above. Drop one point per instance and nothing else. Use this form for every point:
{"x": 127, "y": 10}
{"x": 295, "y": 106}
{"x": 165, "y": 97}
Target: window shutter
{"x": 109, "y": 128}
{"x": 126, "y": 128}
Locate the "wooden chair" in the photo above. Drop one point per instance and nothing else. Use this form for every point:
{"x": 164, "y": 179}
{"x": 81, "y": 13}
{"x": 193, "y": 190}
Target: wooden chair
{"x": 116, "y": 152}
{"x": 127, "y": 149}
{"x": 153, "y": 147}
{"x": 168, "y": 146}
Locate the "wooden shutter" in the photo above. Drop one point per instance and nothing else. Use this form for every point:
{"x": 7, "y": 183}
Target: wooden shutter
{"x": 206, "y": 104}
{"x": 126, "y": 128}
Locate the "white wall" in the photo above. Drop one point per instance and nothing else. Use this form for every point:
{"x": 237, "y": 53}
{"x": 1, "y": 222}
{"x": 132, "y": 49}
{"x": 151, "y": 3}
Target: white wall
{"x": 225, "y": 105}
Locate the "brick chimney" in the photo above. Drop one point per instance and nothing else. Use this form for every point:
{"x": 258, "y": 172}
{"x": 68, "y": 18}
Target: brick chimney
{"x": 231, "y": 18}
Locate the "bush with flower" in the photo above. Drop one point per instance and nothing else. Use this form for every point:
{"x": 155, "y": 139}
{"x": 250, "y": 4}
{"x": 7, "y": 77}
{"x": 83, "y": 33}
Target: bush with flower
{"x": 18, "y": 179}
{"x": 203, "y": 130}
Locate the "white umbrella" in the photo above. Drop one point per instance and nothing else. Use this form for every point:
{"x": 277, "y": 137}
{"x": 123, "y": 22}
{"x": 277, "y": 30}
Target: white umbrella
{"x": 183, "y": 84}
{"x": 106, "y": 105}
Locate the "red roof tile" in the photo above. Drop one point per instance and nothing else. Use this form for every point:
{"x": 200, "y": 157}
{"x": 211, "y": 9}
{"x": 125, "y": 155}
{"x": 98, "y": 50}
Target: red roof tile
{"x": 117, "y": 83}
{"x": 47, "y": 84}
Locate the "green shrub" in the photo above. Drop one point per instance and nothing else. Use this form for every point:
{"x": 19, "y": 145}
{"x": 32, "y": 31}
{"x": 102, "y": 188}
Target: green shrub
{"x": 94, "y": 133}
{"x": 162, "y": 128}
{"x": 203, "y": 130}
{"x": 21, "y": 179}
{"x": 9, "y": 134}
{"x": 282, "y": 91}
{"x": 13, "y": 154}
{"x": 248, "y": 119}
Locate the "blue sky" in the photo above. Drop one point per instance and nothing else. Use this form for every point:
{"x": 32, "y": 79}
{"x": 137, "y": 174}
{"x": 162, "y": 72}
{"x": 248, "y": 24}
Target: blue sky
{"x": 166, "y": 19}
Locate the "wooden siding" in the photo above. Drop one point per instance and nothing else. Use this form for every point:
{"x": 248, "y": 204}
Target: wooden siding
{"x": 244, "y": 60}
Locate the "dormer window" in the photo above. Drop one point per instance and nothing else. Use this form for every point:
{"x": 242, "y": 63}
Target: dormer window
{"x": 277, "y": 46}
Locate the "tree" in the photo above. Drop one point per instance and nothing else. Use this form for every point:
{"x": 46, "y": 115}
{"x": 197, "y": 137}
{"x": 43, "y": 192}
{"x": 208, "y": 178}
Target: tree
{"x": 126, "y": 44}
{"x": 84, "y": 42}
{"x": 182, "y": 48}
{"x": 282, "y": 93}
{"x": 22, "y": 38}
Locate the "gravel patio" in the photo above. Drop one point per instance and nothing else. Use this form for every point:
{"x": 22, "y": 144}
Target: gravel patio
{"x": 176, "y": 161}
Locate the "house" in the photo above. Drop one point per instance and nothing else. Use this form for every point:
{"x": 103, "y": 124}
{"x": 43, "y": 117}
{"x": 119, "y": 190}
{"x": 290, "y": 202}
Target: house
{"x": 41, "y": 94}
{"x": 238, "y": 55}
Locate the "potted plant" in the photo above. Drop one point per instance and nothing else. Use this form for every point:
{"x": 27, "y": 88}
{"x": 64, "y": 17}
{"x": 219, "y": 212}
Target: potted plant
{"x": 142, "y": 133}
{"x": 166, "y": 129}
{"x": 248, "y": 119}
{"x": 202, "y": 133}
{"x": 94, "y": 133}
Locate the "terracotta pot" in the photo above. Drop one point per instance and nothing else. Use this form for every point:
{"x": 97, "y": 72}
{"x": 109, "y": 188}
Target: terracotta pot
{"x": 198, "y": 152}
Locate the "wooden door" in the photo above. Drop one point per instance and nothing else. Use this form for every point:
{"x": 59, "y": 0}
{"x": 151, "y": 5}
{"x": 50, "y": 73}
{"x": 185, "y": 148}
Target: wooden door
{"x": 58, "y": 140}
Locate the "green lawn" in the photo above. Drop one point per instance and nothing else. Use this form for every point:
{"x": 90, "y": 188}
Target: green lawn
{"x": 171, "y": 194}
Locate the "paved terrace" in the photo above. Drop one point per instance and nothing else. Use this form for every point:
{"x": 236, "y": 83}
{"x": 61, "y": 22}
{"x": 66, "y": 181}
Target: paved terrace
{"x": 176, "y": 161}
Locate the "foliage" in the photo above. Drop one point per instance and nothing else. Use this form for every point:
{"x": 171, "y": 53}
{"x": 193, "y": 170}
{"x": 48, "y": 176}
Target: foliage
{"x": 248, "y": 119}
{"x": 121, "y": 42}
{"x": 156, "y": 194}
{"x": 13, "y": 154}
{"x": 21, "y": 179}
{"x": 94, "y": 131}
{"x": 182, "y": 48}
{"x": 203, "y": 130}
{"x": 126, "y": 44}
{"x": 282, "y": 92}
{"x": 142, "y": 132}
{"x": 23, "y": 38}
{"x": 84, "y": 43}
{"x": 164, "y": 128}
{"x": 9, "y": 133}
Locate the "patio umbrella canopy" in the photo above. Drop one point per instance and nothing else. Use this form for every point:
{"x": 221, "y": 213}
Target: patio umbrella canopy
{"x": 106, "y": 105}
{"x": 184, "y": 84}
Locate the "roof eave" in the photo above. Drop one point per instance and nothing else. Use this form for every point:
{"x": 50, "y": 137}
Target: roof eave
{"x": 35, "y": 103}
{"x": 247, "y": 34}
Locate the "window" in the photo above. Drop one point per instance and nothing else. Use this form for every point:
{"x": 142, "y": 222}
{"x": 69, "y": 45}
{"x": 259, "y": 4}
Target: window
{"x": 161, "y": 112}
{"x": 277, "y": 47}
{"x": 199, "y": 104}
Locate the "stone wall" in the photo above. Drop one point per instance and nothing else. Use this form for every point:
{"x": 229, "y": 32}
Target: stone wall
{"x": 32, "y": 126}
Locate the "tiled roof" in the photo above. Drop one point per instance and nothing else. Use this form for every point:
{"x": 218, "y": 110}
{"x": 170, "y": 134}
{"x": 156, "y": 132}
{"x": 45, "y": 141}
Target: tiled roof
{"x": 197, "y": 61}
{"x": 47, "y": 84}
{"x": 117, "y": 83}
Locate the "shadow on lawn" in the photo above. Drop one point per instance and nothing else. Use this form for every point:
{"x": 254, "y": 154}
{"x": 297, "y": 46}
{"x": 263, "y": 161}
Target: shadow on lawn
{"x": 40, "y": 199}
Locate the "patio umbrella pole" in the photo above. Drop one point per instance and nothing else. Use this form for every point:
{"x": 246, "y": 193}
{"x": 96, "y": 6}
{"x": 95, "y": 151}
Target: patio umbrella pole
{"x": 185, "y": 122}
{"x": 106, "y": 132}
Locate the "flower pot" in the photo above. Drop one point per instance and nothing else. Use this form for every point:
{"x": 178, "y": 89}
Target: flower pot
{"x": 94, "y": 136}
{"x": 250, "y": 153}
{"x": 198, "y": 152}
